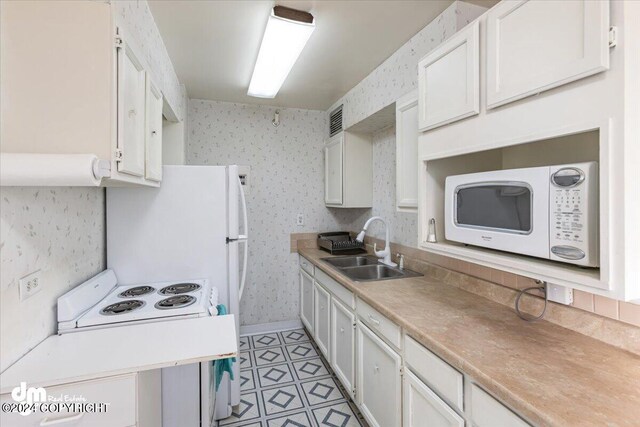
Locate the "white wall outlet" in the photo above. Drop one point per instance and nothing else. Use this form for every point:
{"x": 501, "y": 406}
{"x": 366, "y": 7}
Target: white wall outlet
{"x": 561, "y": 294}
{"x": 300, "y": 219}
{"x": 30, "y": 285}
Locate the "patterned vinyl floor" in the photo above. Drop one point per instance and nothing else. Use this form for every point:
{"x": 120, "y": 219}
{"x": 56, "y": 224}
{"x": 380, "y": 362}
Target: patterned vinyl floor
{"x": 286, "y": 382}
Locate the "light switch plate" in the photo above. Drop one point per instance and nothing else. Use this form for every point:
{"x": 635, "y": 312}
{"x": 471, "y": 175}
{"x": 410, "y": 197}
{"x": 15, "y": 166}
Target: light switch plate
{"x": 30, "y": 285}
{"x": 300, "y": 219}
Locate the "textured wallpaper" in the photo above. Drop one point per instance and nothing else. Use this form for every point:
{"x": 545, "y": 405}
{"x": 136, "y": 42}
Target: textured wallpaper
{"x": 57, "y": 230}
{"x": 286, "y": 179}
{"x": 395, "y": 77}
{"x": 136, "y": 18}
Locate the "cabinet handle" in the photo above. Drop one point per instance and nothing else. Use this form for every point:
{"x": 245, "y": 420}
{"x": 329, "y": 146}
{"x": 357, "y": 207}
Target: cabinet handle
{"x": 342, "y": 330}
{"x": 322, "y": 307}
{"x": 376, "y": 369}
{"x": 57, "y": 421}
{"x": 132, "y": 113}
{"x": 374, "y": 320}
{"x": 154, "y": 133}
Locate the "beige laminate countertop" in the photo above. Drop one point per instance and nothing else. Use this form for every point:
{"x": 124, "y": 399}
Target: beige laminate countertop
{"x": 551, "y": 375}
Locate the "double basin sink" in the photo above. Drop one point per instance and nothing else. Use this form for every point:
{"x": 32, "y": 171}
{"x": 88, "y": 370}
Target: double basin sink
{"x": 367, "y": 269}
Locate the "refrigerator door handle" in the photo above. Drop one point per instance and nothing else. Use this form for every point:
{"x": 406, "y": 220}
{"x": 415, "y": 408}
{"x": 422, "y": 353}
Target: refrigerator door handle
{"x": 244, "y": 238}
{"x": 243, "y": 278}
{"x": 245, "y": 221}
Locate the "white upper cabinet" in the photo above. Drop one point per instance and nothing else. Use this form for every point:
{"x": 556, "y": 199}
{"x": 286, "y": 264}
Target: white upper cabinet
{"x": 82, "y": 80}
{"x": 407, "y": 152}
{"x": 534, "y": 45}
{"x": 348, "y": 177}
{"x": 131, "y": 112}
{"x": 333, "y": 170}
{"x": 449, "y": 80}
{"x": 153, "y": 132}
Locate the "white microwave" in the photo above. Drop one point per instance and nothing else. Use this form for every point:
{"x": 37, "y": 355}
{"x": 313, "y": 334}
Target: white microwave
{"x": 547, "y": 212}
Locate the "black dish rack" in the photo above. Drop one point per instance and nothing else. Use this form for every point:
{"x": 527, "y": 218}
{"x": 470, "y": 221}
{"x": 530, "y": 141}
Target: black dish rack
{"x": 340, "y": 243}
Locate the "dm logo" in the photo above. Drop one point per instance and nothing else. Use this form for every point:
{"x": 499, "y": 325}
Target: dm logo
{"x": 30, "y": 395}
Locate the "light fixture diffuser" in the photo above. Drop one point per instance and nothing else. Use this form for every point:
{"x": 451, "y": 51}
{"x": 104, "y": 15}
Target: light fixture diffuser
{"x": 282, "y": 43}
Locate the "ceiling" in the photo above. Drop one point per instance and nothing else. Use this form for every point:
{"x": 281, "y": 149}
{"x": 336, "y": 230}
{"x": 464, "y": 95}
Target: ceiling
{"x": 214, "y": 45}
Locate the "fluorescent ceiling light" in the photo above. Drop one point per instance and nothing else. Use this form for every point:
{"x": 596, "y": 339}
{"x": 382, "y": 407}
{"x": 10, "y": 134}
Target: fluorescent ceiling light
{"x": 281, "y": 45}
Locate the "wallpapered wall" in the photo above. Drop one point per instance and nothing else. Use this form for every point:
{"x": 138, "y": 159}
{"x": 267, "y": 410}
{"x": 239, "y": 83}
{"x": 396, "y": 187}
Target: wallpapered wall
{"x": 395, "y": 77}
{"x": 290, "y": 157}
{"x": 136, "y": 18}
{"x": 61, "y": 230}
{"x": 286, "y": 178}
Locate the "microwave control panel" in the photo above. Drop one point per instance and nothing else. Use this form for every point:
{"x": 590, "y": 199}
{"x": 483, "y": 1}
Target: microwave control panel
{"x": 573, "y": 205}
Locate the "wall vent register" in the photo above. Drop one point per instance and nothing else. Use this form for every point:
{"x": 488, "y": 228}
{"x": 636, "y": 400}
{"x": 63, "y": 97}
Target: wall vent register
{"x": 335, "y": 121}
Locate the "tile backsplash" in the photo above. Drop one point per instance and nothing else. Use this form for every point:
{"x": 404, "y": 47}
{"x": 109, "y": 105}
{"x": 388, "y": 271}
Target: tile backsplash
{"x": 57, "y": 230}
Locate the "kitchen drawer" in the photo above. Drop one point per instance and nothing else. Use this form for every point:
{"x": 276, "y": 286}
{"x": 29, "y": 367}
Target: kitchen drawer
{"x": 380, "y": 324}
{"x": 118, "y": 392}
{"x": 307, "y": 266}
{"x": 438, "y": 374}
{"x": 488, "y": 412}
{"x": 342, "y": 293}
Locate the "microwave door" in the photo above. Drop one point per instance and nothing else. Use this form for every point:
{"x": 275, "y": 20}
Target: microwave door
{"x": 501, "y": 207}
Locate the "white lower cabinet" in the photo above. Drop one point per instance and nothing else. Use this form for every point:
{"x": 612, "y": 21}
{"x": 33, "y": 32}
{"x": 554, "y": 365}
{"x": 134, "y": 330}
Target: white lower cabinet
{"x": 378, "y": 373}
{"x": 421, "y": 407}
{"x": 488, "y": 412}
{"x": 306, "y": 300}
{"x": 322, "y": 318}
{"x": 132, "y": 400}
{"x": 343, "y": 344}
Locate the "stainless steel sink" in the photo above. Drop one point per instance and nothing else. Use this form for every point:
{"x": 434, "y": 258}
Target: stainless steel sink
{"x": 351, "y": 261}
{"x": 368, "y": 269}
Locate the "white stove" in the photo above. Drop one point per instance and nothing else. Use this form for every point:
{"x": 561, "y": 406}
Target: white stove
{"x": 101, "y": 302}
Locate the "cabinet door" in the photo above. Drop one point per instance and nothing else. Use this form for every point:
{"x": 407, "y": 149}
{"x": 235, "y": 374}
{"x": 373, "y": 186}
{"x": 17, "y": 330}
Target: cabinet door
{"x": 333, "y": 170}
{"x": 306, "y": 300}
{"x": 421, "y": 407}
{"x": 322, "y": 319}
{"x": 131, "y": 111}
{"x": 343, "y": 344}
{"x": 534, "y": 45}
{"x": 378, "y": 389}
{"x": 449, "y": 80}
{"x": 407, "y": 152}
{"x": 153, "y": 132}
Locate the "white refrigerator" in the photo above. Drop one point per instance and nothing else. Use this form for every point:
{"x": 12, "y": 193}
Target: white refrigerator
{"x": 193, "y": 226}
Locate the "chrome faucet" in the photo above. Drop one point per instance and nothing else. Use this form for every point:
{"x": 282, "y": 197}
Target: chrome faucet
{"x": 385, "y": 254}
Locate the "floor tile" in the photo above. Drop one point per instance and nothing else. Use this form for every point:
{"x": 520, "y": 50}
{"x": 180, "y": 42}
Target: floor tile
{"x": 245, "y": 343}
{"x": 311, "y": 368}
{"x": 286, "y": 382}
{"x": 337, "y": 415}
{"x": 247, "y": 380}
{"x": 296, "y": 336}
{"x": 281, "y": 399}
{"x": 245, "y": 360}
{"x": 265, "y": 340}
{"x": 249, "y": 409}
{"x": 274, "y": 375}
{"x": 268, "y": 356}
{"x": 298, "y": 419}
{"x": 303, "y": 350}
{"x": 321, "y": 391}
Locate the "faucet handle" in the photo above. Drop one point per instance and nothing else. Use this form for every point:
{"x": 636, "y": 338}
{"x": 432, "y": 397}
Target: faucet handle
{"x": 375, "y": 247}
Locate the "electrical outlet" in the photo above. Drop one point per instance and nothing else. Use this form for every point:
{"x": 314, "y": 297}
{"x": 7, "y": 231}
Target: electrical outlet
{"x": 560, "y": 294}
{"x": 30, "y": 285}
{"x": 300, "y": 219}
